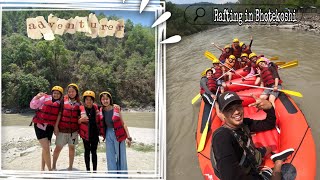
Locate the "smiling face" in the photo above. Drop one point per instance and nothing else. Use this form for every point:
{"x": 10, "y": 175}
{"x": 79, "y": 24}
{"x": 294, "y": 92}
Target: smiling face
{"x": 88, "y": 101}
{"x": 56, "y": 95}
{"x": 72, "y": 92}
{"x": 209, "y": 74}
{"x": 105, "y": 100}
{"x": 233, "y": 114}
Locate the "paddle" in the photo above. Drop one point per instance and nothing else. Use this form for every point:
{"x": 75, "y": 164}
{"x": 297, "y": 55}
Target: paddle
{"x": 293, "y": 93}
{"x": 280, "y": 63}
{"x": 289, "y": 64}
{"x": 195, "y": 99}
{"x": 274, "y": 58}
{"x": 206, "y": 128}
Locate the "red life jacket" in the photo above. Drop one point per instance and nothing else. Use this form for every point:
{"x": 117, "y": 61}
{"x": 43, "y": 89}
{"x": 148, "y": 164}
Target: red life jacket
{"x": 48, "y": 112}
{"x": 236, "y": 51}
{"x": 211, "y": 84}
{"x": 267, "y": 77}
{"x": 224, "y": 55}
{"x": 246, "y": 50}
{"x": 84, "y": 127}
{"x": 218, "y": 72}
{"x": 70, "y": 116}
{"x": 118, "y": 127}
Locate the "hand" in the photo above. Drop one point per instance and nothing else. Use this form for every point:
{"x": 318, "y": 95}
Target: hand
{"x": 128, "y": 140}
{"x": 261, "y": 103}
{"x": 258, "y": 70}
{"x": 56, "y": 130}
{"x": 213, "y": 96}
{"x": 83, "y": 119}
{"x": 212, "y": 43}
{"x": 251, "y": 38}
{"x": 275, "y": 88}
{"x": 116, "y": 106}
{"x": 40, "y": 94}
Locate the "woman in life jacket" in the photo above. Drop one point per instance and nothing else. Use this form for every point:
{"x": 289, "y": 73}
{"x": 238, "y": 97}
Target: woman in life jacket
{"x": 228, "y": 65}
{"x": 236, "y": 49}
{"x": 66, "y": 127}
{"x": 115, "y": 133}
{"x": 47, "y": 107}
{"x": 269, "y": 78}
{"x": 246, "y": 49}
{"x": 217, "y": 69}
{"x": 89, "y": 128}
{"x": 208, "y": 89}
{"x": 226, "y": 52}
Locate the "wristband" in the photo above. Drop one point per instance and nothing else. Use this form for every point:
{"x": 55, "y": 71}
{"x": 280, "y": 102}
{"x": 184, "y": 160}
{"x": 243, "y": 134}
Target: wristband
{"x": 129, "y": 138}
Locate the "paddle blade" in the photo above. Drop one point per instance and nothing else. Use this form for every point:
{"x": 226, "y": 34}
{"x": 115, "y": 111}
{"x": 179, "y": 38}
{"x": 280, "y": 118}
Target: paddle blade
{"x": 280, "y": 63}
{"x": 203, "y": 138}
{"x": 195, "y": 99}
{"x": 274, "y": 58}
{"x": 293, "y": 93}
{"x": 210, "y": 56}
{"x": 288, "y": 65}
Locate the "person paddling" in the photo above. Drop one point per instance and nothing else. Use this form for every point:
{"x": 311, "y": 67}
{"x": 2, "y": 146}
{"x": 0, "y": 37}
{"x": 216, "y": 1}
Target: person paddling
{"x": 233, "y": 154}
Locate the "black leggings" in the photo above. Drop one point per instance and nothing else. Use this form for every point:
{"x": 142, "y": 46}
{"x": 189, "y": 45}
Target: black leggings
{"x": 90, "y": 146}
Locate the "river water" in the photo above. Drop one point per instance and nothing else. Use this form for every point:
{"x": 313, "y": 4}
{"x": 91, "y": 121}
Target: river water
{"x": 185, "y": 62}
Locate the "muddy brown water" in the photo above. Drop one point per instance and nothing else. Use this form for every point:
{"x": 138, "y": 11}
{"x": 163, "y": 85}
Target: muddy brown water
{"x": 185, "y": 62}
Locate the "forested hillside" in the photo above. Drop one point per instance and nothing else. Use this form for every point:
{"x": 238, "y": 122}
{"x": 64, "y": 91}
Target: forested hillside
{"x": 125, "y": 67}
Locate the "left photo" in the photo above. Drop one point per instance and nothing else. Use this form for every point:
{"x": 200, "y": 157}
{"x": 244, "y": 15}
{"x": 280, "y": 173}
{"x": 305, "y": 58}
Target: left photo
{"x": 78, "y": 91}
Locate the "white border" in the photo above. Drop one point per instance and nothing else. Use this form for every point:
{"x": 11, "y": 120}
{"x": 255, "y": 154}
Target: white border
{"x": 160, "y": 98}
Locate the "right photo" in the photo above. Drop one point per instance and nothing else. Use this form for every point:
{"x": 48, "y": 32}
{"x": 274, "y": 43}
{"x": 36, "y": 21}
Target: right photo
{"x": 242, "y": 90}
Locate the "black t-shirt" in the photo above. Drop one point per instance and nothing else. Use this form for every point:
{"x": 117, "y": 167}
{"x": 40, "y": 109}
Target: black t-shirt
{"x": 228, "y": 152}
{"x": 93, "y": 129}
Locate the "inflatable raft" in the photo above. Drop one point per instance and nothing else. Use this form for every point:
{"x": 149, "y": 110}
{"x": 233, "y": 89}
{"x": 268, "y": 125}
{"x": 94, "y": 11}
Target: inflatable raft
{"x": 294, "y": 133}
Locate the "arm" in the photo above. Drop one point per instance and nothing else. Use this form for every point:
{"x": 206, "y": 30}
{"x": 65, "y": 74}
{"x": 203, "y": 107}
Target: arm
{"x": 225, "y": 153}
{"x": 129, "y": 138}
{"x": 251, "y": 40}
{"x": 37, "y": 101}
{"x": 262, "y": 125}
{"x": 217, "y": 47}
{"x": 203, "y": 84}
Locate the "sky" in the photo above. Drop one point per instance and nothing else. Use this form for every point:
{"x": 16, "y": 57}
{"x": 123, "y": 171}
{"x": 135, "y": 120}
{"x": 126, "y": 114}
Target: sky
{"x": 197, "y": 1}
{"x": 146, "y": 18}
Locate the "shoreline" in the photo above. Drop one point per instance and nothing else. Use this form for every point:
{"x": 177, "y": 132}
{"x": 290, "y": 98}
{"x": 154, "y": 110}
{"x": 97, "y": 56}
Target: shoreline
{"x": 19, "y": 144}
{"x": 308, "y": 22}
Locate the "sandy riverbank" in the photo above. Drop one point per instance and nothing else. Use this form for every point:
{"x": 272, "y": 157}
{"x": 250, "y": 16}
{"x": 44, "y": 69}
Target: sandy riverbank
{"x": 20, "y": 151}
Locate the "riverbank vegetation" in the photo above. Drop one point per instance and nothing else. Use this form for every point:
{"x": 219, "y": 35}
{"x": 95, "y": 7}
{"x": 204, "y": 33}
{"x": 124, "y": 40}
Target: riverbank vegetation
{"x": 125, "y": 67}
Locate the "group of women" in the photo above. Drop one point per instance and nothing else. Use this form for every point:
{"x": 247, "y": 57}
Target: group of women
{"x": 67, "y": 117}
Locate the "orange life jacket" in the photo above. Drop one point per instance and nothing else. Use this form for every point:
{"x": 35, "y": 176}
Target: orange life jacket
{"x": 118, "y": 127}
{"x": 84, "y": 127}
{"x": 211, "y": 84}
{"x": 236, "y": 51}
{"x": 267, "y": 78}
{"x": 48, "y": 112}
{"x": 70, "y": 117}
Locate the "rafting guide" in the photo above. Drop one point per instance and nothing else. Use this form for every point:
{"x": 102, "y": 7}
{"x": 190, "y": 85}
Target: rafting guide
{"x": 231, "y": 16}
